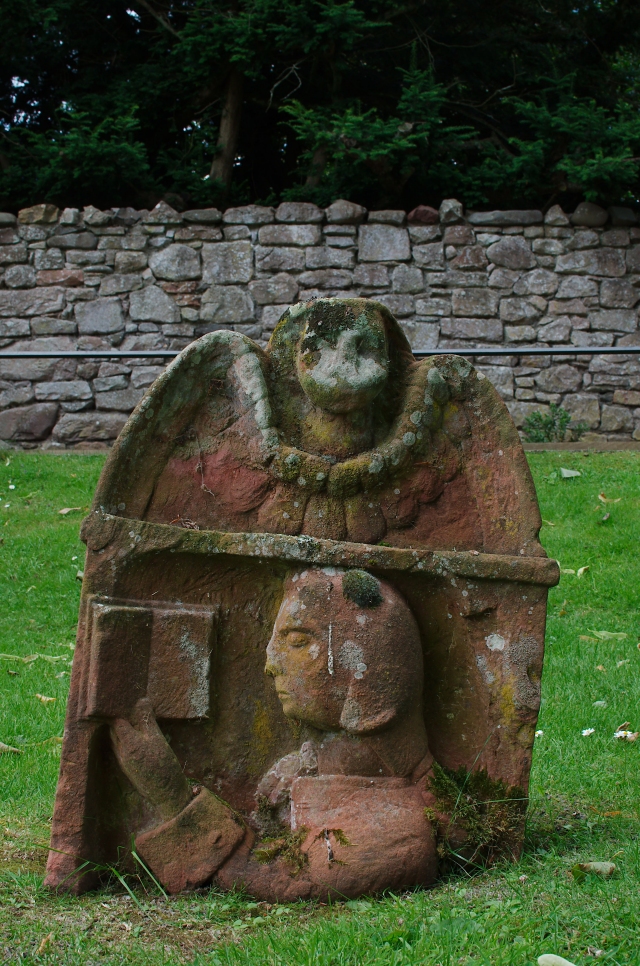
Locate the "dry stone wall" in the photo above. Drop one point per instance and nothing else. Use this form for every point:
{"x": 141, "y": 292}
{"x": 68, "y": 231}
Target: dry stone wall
{"x": 147, "y": 280}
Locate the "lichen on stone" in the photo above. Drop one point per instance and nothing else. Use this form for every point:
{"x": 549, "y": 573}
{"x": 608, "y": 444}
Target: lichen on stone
{"x": 361, "y": 588}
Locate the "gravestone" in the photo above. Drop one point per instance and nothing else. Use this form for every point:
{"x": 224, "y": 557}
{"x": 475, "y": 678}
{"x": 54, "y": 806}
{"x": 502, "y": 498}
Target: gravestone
{"x": 312, "y": 621}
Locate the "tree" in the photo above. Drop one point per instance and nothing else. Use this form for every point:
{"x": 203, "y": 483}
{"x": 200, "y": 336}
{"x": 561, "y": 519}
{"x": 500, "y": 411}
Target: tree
{"x": 202, "y": 101}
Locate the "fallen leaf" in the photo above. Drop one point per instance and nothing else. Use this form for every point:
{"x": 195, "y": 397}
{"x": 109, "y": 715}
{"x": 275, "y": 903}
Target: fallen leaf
{"x": 550, "y": 959}
{"x": 80, "y": 575}
{"x": 44, "y": 698}
{"x": 567, "y": 571}
{"x": 592, "y": 951}
{"x": 32, "y": 587}
{"x": 603, "y": 499}
{"x": 611, "y": 814}
{"x": 582, "y": 571}
{"x": 609, "y": 635}
{"x": 562, "y": 612}
{"x": 43, "y": 945}
{"x": 601, "y": 667}
{"x": 69, "y": 509}
{"x": 548, "y": 523}
{"x": 599, "y": 704}
{"x": 605, "y": 869}
{"x": 567, "y": 474}
{"x": 605, "y": 518}
{"x": 5, "y": 749}
{"x": 585, "y": 637}
{"x": 622, "y": 663}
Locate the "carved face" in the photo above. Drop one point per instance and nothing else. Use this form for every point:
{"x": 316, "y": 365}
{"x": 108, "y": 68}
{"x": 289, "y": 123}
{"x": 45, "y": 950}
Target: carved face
{"x": 343, "y": 362}
{"x": 345, "y": 652}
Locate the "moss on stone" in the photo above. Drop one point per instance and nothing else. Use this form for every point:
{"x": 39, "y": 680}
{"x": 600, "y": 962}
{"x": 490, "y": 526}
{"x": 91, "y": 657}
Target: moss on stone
{"x": 287, "y": 847}
{"x": 361, "y": 588}
{"x": 485, "y": 817}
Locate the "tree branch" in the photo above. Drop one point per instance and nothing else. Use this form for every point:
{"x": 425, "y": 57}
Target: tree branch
{"x": 159, "y": 17}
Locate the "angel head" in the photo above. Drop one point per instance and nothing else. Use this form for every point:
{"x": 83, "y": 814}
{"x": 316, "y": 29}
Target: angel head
{"x": 345, "y": 652}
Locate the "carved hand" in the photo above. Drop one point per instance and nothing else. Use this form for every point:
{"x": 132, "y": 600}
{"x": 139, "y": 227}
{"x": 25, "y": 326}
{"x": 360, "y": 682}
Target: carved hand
{"x": 145, "y": 757}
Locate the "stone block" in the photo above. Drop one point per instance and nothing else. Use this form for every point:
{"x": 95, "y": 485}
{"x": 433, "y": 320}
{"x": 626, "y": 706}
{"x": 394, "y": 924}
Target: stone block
{"x": 86, "y": 427}
{"x": 618, "y": 294}
{"x": 162, "y": 214}
{"x": 433, "y": 307}
{"x": 607, "y": 262}
{"x": 422, "y": 234}
{"x": 568, "y": 307}
{"x": 518, "y": 310}
{"x": 20, "y": 276}
{"x": 538, "y": 282}
{"x": 582, "y": 240}
{"x": 66, "y": 390}
{"x": 423, "y": 215}
{"x": 69, "y": 277}
{"x": 430, "y": 257}
{"x": 123, "y": 400}
{"x": 585, "y": 339}
{"x": 558, "y": 378}
{"x": 38, "y": 215}
{"x": 475, "y": 302}
{"x": 70, "y": 216}
{"x": 325, "y": 278}
{"x": 451, "y": 212}
{"x": 195, "y": 233}
{"x": 501, "y": 377}
{"x": 343, "y": 212}
{"x": 400, "y": 306}
{"x": 622, "y": 217}
{"x": 383, "y": 243}
{"x": 119, "y": 284}
{"x": 134, "y": 242}
{"x": 13, "y": 254}
{"x": 387, "y": 217}
{"x": 584, "y": 408}
{"x": 15, "y": 394}
{"x": 126, "y": 262}
{"x": 249, "y": 215}
{"x": 96, "y": 218}
{"x": 7, "y": 220}
{"x": 275, "y": 290}
{"x": 302, "y": 235}
{"x": 28, "y": 302}
{"x": 236, "y": 233}
{"x": 152, "y": 304}
{"x": 27, "y": 424}
{"x": 503, "y": 278}
{"x": 8, "y": 236}
{"x": 615, "y": 238}
{"x": 280, "y": 259}
{"x": 558, "y": 330}
{"x": 176, "y": 263}
{"x": 299, "y": 213}
{"x": 511, "y": 252}
{"x": 519, "y": 333}
{"x": 422, "y": 335}
{"x": 459, "y": 235}
{"x": 13, "y": 328}
{"x": 575, "y": 286}
{"x": 202, "y": 216}
{"x": 479, "y": 330}
{"x": 505, "y": 219}
{"x": 471, "y": 259}
{"x": 589, "y": 215}
{"x": 47, "y": 326}
{"x": 227, "y": 262}
{"x": 325, "y": 257}
{"x": 548, "y": 246}
{"x": 520, "y": 410}
{"x": 407, "y": 279}
{"x": 83, "y": 240}
{"x": 613, "y": 320}
{"x": 101, "y": 317}
{"x": 107, "y": 383}
{"x": 556, "y": 217}
{"x": 50, "y": 259}
{"x": 226, "y": 304}
{"x": 616, "y": 419}
{"x": 84, "y": 258}
{"x": 626, "y": 397}
{"x": 143, "y": 376}
{"x": 633, "y": 259}
{"x": 373, "y": 276}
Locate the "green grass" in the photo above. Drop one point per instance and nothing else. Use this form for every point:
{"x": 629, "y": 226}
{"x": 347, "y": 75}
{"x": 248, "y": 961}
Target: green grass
{"x": 585, "y": 791}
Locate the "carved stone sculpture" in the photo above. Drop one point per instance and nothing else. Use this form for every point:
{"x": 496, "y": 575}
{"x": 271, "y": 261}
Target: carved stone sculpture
{"x": 314, "y": 603}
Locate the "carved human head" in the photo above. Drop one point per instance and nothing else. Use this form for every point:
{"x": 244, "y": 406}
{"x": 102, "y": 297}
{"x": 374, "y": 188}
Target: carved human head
{"x": 345, "y": 652}
{"x": 343, "y": 357}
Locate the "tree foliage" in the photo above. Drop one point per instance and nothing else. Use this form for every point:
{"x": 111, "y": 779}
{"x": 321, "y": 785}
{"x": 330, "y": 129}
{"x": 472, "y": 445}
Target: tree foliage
{"x": 509, "y": 103}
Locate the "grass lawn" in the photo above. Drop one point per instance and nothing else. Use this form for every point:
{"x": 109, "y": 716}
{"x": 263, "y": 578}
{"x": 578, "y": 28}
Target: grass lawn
{"x": 585, "y": 790}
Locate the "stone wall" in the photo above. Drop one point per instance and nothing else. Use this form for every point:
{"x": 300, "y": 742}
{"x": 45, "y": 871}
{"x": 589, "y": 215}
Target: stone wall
{"x": 159, "y": 279}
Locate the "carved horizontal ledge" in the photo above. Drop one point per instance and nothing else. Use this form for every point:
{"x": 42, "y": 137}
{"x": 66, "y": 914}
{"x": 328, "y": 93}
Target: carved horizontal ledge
{"x": 138, "y": 538}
